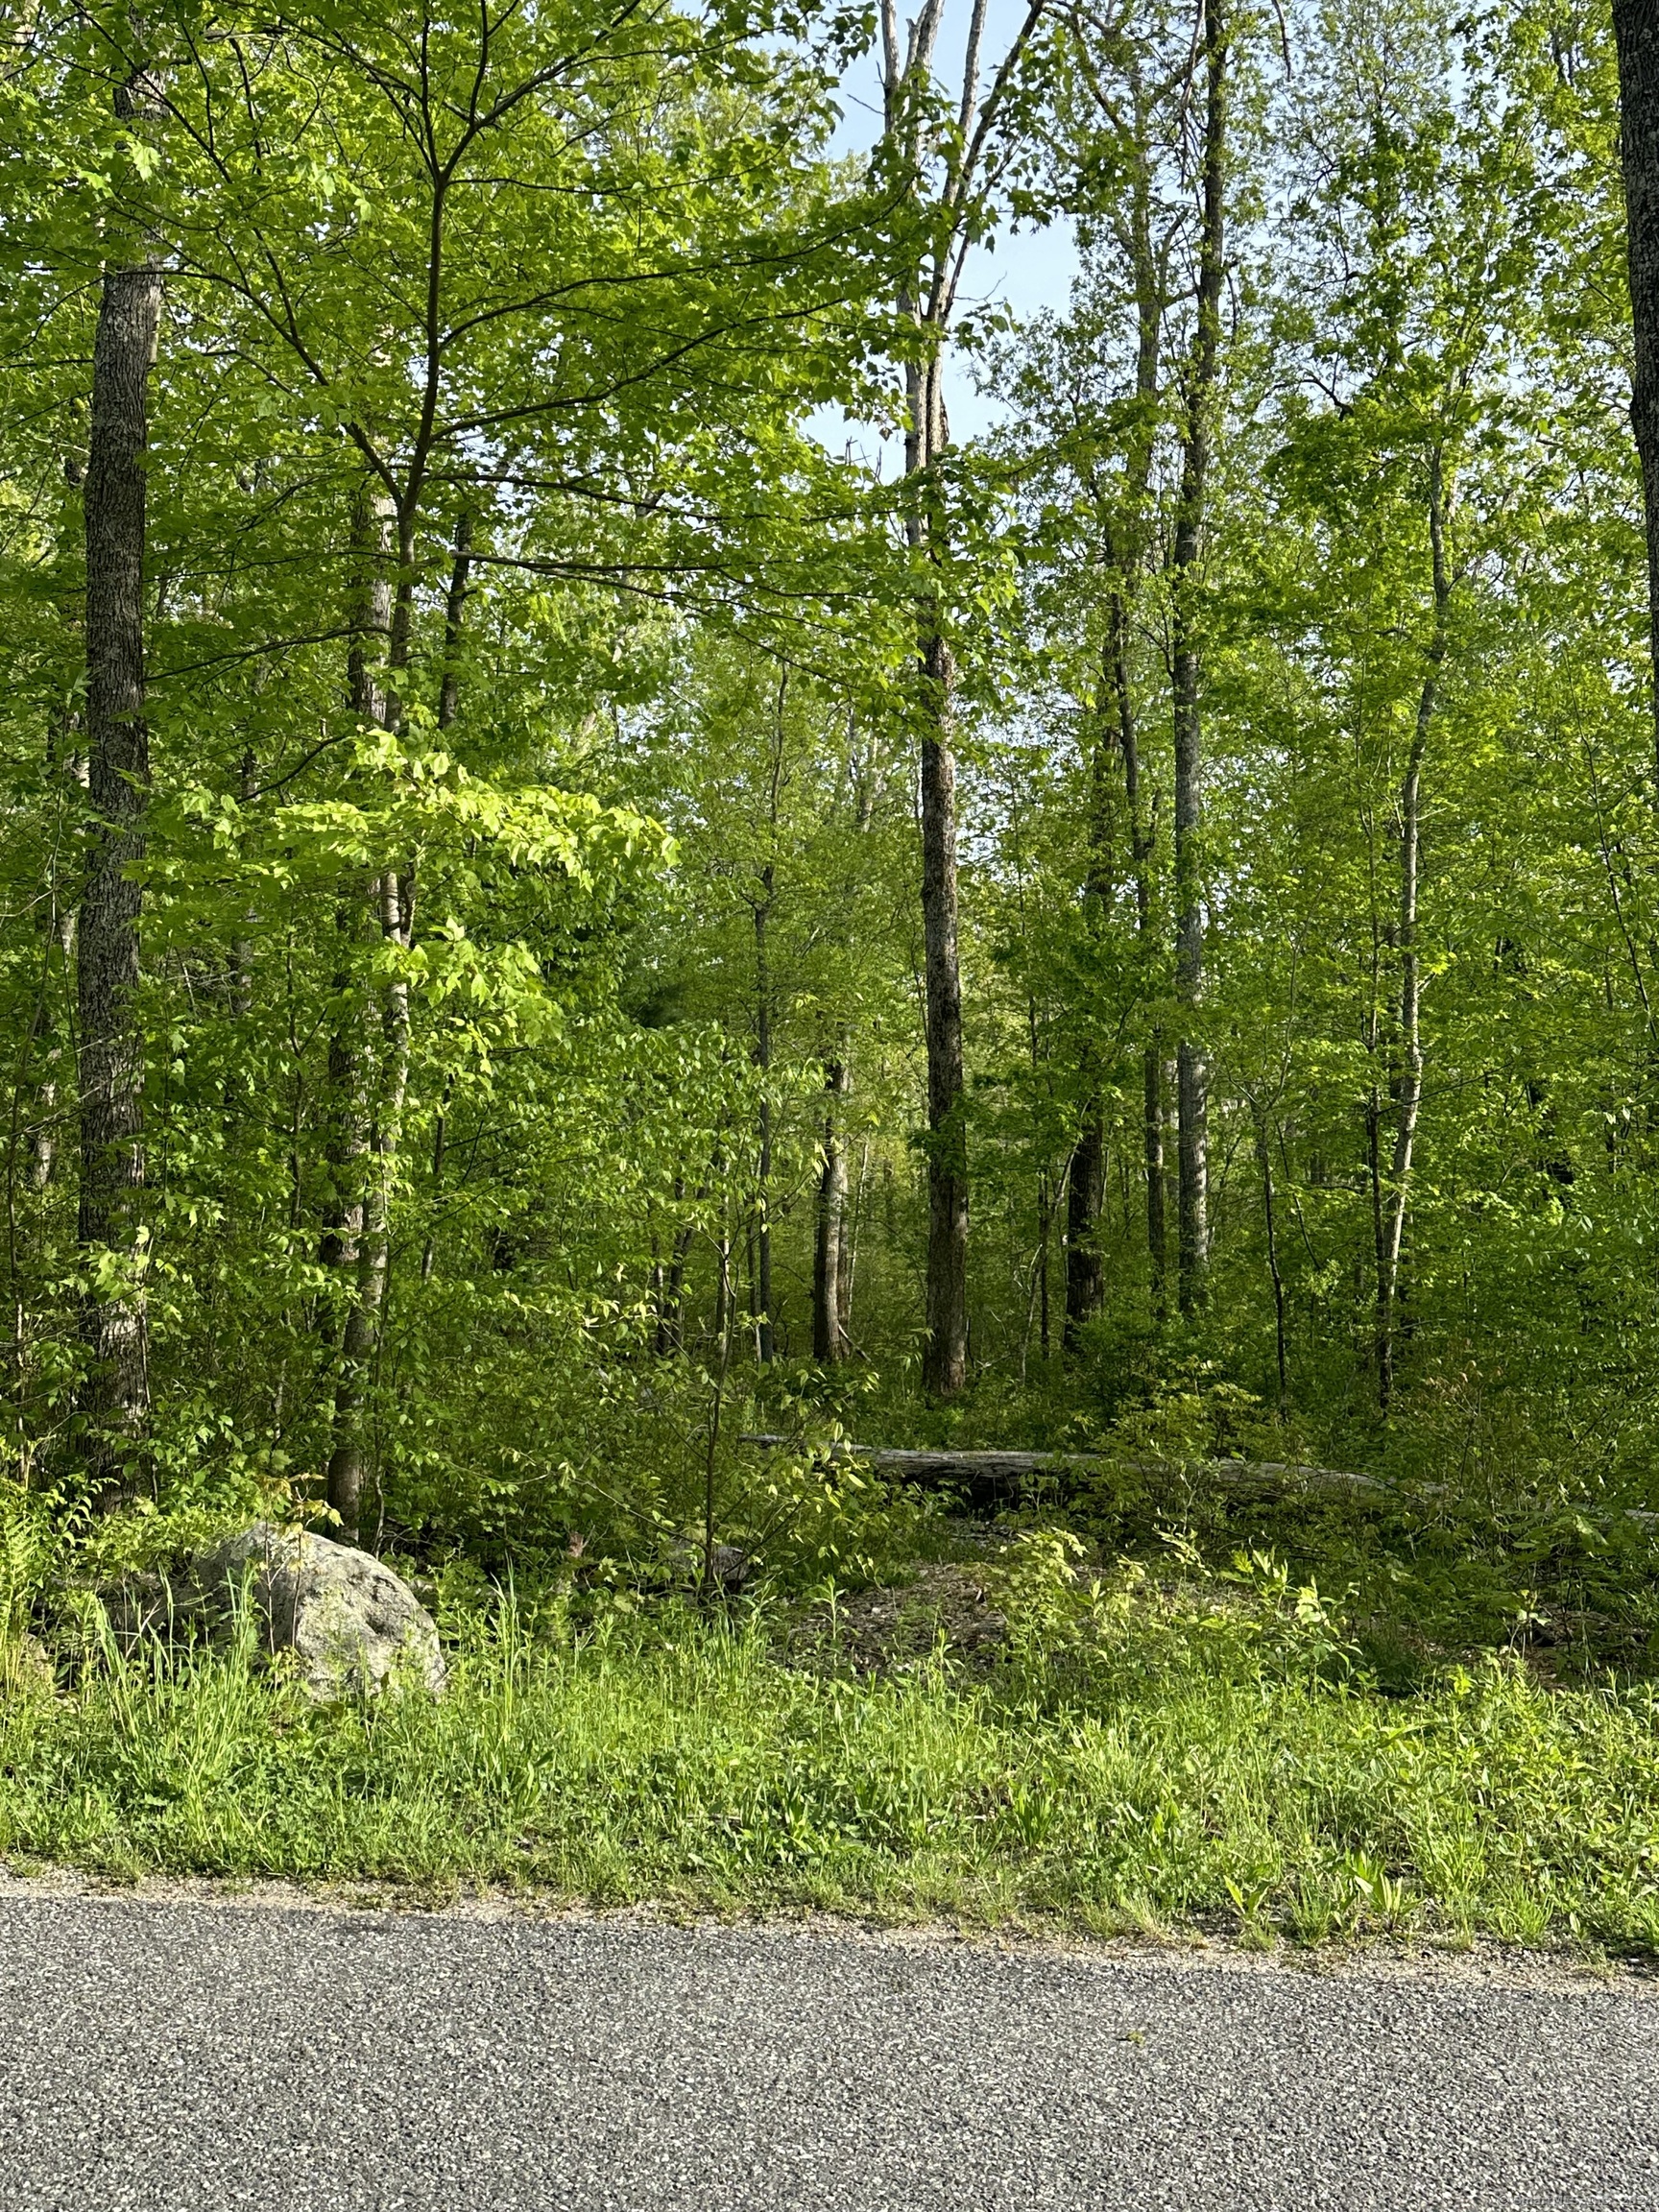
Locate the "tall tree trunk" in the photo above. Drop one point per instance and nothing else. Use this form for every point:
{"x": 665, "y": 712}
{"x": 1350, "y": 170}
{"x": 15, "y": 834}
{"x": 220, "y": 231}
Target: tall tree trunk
{"x": 1085, "y": 1189}
{"x": 353, "y": 1141}
{"x": 1142, "y": 842}
{"x": 945, "y": 1362}
{"x": 831, "y": 1247}
{"x": 760, "y": 1279}
{"x": 115, "y": 1397}
{"x": 946, "y": 1365}
{"x": 448, "y": 707}
{"x": 833, "y": 1252}
{"x": 1275, "y": 1273}
{"x": 1192, "y": 1080}
{"x": 928, "y": 301}
{"x": 764, "y": 1337}
{"x": 1151, "y": 287}
{"x": 1126, "y": 545}
{"x": 835, "y": 1241}
{"x": 1408, "y": 1089}
{"x": 1086, "y": 1173}
{"x": 1157, "y": 1172}
{"x": 1636, "y": 32}
{"x": 1044, "y": 1235}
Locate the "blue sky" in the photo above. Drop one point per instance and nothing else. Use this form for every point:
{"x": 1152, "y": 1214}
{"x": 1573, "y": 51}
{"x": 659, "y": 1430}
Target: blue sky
{"x": 1030, "y": 271}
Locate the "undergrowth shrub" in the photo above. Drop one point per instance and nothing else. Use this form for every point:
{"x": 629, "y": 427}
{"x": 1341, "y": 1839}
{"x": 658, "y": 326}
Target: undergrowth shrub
{"x": 1132, "y": 1629}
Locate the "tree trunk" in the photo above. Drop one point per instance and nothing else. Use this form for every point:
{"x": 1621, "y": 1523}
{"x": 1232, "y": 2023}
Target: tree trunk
{"x": 1086, "y": 1174}
{"x": 352, "y": 1141}
{"x": 1636, "y": 31}
{"x": 115, "y": 1396}
{"x": 1125, "y": 553}
{"x": 1157, "y": 1171}
{"x": 1044, "y": 1235}
{"x": 1202, "y": 376}
{"x": 1408, "y": 1091}
{"x": 764, "y": 1337}
{"x": 946, "y": 1365}
{"x": 1085, "y": 1189}
{"x": 1142, "y": 848}
{"x": 830, "y": 1255}
{"x": 1265, "y": 1160}
{"x": 850, "y": 1218}
{"x": 926, "y": 301}
{"x": 448, "y": 705}
{"x": 835, "y": 1251}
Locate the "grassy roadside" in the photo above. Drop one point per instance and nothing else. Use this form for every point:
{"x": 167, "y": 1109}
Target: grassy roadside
{"x": 1135, "y": 1757}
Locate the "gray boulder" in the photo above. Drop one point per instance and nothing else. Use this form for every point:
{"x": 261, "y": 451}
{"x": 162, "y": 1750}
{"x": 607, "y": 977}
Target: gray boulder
{"x": 353, "y": 1625}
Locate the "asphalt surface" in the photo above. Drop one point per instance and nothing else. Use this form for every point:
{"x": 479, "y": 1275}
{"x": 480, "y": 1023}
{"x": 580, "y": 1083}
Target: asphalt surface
{"x": 175, "y": 2054}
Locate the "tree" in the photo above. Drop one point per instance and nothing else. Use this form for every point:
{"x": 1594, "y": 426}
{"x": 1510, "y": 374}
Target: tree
{"x": 448, "y": 142}
{"x": 108, "y": 953}
{"x": 949, "y": 165}
{"x": 1198, "y": 395}
{"x": 1636, "y": 32}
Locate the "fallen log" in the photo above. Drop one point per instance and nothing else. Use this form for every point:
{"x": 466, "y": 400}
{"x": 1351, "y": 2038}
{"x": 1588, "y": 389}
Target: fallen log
{"x": 991, "y": 1475}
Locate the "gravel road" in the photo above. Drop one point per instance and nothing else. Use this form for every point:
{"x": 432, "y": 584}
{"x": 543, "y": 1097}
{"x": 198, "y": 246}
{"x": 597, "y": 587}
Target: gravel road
{"x": 171, "y": 2054}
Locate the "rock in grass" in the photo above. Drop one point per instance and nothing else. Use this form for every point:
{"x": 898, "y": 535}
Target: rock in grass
{"x": 150, "y": 1604}
{"x": 354, "y": 1626}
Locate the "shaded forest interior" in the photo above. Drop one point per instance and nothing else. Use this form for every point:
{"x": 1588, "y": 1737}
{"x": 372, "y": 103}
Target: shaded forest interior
{"x": 582, "y": 879}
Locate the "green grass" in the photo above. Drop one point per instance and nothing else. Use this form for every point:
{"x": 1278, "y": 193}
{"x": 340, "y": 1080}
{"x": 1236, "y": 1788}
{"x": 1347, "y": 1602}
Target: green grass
{"x": 1139, "y": 1760}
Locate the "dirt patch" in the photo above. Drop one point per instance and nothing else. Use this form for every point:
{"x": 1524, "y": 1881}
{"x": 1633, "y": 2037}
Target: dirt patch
{"x": 950, "y": 1605}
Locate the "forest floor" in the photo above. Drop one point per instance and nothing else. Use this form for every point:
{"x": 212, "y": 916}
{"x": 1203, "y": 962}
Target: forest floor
{"x": 1006, "y": 1737}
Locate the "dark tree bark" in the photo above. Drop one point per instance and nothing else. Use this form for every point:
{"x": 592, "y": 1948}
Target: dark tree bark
{"x": 1085, "y": 1187}
{"x": 1192, "y": 1080}
{"x": 116, "y": 1398}
{"x": 1275, "y": 1273}
{"x": 1636, "y": 31}
{"x": 944, "y": 1360}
